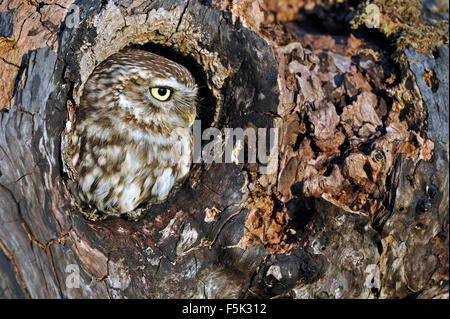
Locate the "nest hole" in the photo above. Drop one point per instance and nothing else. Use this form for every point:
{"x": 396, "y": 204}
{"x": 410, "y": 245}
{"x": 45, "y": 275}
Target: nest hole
{"x": 206, "y": 108}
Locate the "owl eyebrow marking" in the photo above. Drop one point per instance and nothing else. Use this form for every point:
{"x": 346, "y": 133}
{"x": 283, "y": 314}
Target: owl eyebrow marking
{"x": 171, "y": 83}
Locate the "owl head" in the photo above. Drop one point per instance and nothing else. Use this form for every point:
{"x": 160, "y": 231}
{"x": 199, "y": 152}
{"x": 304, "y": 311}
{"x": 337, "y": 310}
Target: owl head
{"x": 145, "y": 87}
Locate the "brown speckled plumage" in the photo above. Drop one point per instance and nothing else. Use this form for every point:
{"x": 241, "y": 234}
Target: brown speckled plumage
{"x": 128, "y": 147}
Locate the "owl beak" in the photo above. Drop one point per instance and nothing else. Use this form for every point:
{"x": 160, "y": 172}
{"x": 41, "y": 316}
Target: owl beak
{"x": 189, "y": 115}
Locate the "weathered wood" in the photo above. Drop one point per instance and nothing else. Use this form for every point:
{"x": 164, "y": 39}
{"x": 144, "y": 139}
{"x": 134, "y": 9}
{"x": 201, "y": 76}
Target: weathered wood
{"x": 361, "y": 181}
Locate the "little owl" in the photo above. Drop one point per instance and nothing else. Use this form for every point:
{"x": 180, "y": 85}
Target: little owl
{"x": 132, "y": 140}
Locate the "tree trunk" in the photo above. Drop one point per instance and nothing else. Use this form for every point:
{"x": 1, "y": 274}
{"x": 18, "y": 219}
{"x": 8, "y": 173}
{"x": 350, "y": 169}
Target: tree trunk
{"x": 352, "y": 204}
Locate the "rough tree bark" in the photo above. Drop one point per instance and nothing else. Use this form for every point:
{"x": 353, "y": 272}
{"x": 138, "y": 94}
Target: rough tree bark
{"x": 357, "y": 206}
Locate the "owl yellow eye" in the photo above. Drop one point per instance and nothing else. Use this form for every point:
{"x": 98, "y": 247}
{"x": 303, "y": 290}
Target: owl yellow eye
{"x": 161, "y": 94}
